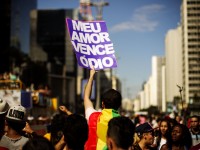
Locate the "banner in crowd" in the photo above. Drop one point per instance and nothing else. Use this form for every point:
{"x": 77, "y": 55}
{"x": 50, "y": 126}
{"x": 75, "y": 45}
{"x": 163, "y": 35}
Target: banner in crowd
{"x": 92, "y": 44}
{"x": 26, "y": 99}
{"x": 12, "y": 97}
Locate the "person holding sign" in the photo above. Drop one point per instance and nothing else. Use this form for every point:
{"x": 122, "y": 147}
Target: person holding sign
{"x": 98, "y": 121}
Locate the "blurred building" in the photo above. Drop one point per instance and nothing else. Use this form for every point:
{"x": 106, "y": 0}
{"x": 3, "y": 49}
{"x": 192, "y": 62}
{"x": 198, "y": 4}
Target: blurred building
{"x": 20, "y": 23}
{"x": 116, "y": 83}
{"x": 147, "y": 93}
{"x": 190, "y": 14}
{"x": 5, "y": 15}
{"x": 141, "y": 97}
{"x": 136, "y": 103}
{"x": 50, "y": 44}
{"x": 128, "y": 105}
{"x": 173, "y": 54}
{"x": 14, "y": 30}
{"x": 181, "y": 69}
{"x": 152, "y": 92}
{"x": 163, "y": 103}
{"x": 44, "y": 35}
{"x": 156, "y": 82}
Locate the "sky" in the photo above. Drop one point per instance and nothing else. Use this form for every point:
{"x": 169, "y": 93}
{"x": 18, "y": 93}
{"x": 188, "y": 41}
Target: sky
{"x": 137, "y": 28}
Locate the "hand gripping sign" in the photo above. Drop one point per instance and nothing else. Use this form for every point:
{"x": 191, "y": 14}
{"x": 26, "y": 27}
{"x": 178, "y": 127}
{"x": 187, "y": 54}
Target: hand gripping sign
{"x": 92, "y": 44}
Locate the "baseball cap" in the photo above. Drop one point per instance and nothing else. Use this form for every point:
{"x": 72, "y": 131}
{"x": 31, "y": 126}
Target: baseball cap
{"x": 143, "y": 128}
{"x": 3, "y": 106}
{"x": 16, "y": 113}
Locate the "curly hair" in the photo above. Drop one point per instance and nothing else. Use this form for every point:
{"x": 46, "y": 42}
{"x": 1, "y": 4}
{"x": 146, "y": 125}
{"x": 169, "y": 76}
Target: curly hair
{"x": 186, "y": 140}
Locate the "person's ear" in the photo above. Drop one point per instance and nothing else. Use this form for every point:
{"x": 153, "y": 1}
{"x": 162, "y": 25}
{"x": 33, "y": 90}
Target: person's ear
{"x": 109, "y": 142}
{"x": 144, "y": 135}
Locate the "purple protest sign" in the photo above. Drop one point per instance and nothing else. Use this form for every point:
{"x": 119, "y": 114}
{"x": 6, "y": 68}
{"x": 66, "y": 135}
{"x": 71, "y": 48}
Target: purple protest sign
{"x": 92, "y": 44}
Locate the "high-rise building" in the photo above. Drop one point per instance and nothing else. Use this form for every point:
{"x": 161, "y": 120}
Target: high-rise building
{"x": 136, "y": 103}
{"x": 5, "y": 13}
{"x": 51, "y": 44}
{"x": 14, "y": 30}
{"x": 141, "y": 98}
{"x": 173, "y": 54}
{"x": 163, "y": 104}
{"x": 116, "y": 84}
{"x": 20, "y": 23}
{"x": 147, "y": 93}
{"x": 156, "y": 81}
{"x": 190, "y": 21}
{"x": 152, "y": 92}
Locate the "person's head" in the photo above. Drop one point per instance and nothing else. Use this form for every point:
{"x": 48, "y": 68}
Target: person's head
{"x": 145, "y": 133}
{"x": 180, "y": 134}
{"x": 177, "y": 133}
{"x": 111, "y": 99}
{"x": 165, "y": 127}
{"x": 120, "y": 133}
{"x": 172, "y": 122}
{"x": 194, "y": 122}
{"x": 178, "y": 118}
{"x": 38, "y": 143}
{"x": 75, "y": 132}
{"x": 15, "y": 118}
{"x": 56, "y": 127}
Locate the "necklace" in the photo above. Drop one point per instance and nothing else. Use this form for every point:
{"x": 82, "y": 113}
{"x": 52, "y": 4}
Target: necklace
{"x": 13, "y": 140}
{"x": 195, "y": 132}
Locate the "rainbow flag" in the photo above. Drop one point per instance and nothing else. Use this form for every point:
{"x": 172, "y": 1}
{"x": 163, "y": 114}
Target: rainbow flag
{"x": 102, "y": 127}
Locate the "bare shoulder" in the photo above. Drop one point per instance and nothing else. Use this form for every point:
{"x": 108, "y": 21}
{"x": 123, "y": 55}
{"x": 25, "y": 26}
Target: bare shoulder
{"x": 164, "y": 147}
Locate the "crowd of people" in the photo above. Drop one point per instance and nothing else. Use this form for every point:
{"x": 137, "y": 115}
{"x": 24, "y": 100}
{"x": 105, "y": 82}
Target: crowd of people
{"x": 9, "y": 76}
{"x": 96, "y": 130}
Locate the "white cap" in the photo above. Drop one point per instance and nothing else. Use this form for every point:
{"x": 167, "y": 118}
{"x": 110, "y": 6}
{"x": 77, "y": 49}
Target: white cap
{"x": 16, "y": 113}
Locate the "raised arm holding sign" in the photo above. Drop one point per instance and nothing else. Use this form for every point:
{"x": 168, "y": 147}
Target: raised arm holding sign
{"x": 94, "y": 50}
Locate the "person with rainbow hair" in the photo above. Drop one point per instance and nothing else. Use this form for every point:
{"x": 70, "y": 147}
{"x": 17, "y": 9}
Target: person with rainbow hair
{"x": 98, "y": 121}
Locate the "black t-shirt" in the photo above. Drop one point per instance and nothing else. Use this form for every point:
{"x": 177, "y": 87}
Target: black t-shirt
{"x": 137, "y": 147}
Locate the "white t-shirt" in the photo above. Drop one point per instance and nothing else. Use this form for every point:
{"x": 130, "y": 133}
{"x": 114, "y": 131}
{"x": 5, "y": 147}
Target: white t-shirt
{"x": 162, "y": 142}
{"x": 13, "y": 144}
{"x": 89, "y": 111}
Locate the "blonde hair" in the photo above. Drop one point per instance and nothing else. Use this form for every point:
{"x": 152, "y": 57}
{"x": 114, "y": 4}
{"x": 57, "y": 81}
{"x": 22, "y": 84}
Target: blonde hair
{"x": 136, "y": 138}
